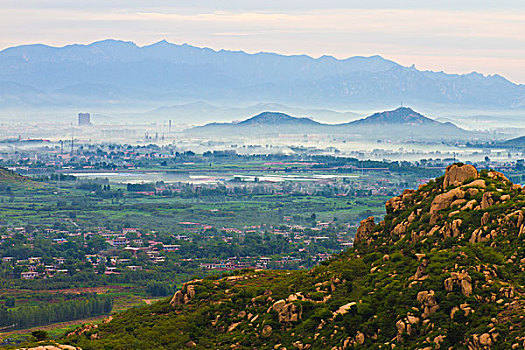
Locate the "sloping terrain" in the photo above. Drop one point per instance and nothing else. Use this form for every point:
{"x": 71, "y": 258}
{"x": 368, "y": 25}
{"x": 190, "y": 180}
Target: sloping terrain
{"x": 443, "y": 270}
{"x": 7, "y": 176}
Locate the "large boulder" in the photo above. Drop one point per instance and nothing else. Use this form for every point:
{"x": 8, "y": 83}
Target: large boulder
{"x": 445, "y": 200}
{"x": 456, "y": 175}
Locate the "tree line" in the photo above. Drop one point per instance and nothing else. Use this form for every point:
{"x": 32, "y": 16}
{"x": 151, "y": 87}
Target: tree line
{"x": 31, "y": 316}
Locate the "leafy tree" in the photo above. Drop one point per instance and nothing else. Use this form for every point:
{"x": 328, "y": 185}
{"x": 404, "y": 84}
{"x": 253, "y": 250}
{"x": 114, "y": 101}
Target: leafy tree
{"x": 40, "y": 335}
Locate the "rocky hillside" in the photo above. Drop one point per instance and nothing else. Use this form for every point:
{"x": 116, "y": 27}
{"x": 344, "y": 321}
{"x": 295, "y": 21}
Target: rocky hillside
{"x": 443, "y": 270}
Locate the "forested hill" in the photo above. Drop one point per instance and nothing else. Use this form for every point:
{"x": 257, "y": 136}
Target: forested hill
{"x": 443, "y": 270}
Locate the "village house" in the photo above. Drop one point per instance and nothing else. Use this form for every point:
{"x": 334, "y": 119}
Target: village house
{"x": 29, "y": 275}
{"x": 170, "y": 247}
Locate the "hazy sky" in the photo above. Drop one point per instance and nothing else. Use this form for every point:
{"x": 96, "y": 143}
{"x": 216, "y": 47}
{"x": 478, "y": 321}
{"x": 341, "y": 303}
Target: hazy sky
{"x": 455, "y": 36}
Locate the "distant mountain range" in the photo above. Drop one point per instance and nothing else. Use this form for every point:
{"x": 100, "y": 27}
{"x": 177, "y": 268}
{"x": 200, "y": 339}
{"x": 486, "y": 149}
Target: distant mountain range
{"x": 118, "y": 73}
{"x": 400, "y": 124}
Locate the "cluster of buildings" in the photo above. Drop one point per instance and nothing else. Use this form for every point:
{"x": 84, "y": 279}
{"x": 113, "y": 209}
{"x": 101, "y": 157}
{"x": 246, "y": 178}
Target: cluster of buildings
{"x": 119, "y": 251}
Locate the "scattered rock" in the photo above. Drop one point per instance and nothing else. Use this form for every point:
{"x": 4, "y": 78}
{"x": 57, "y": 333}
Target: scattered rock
{"x": 493, "y": 174}
{"x": 476, "y": 183}
{"x": 485, "y": 339}
{"x": 470, "y": 205}
{"x": 398, "y": 203}
{"x": 233, "y": 326}
{"x": 55, "y": 346}
{"x": 345, "y": 308}
{"x": 184, "y": 295}
{"x": 485, "y": 219}
{"x": 267, "y": 331}
{"x": 360, "y": 338}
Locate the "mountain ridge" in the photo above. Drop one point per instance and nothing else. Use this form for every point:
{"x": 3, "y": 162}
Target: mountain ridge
{"x": 164, "y": 72}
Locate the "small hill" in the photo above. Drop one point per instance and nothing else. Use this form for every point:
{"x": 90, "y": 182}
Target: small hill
{"x": 400, "y": 116}
{"x": 444, "y": 269}
{"x": 405, "y": 124}
{"x": 268, "y": 119}
{"x": 262, "y": 124}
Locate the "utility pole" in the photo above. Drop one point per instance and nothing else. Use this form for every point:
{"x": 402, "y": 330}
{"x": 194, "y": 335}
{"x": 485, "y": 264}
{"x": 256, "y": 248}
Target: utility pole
{"x": 72, "y": 140}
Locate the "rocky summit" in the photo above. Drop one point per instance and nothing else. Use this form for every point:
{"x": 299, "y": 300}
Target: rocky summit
{"x": 444, "y": 269}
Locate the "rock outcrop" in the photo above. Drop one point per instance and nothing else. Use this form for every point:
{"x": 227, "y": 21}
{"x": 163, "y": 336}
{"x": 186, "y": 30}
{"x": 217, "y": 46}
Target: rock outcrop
{"x": 461, "y": 279}
{"x": 365, "y": 230}
{"x": 398, "y": 203}
{"x": 456, "y": 175}
{"x": 288, "y": 312}
{"x": 184, "y": 295}
{"x": 428, "y": 303}
{"x": 487, "y": 200}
